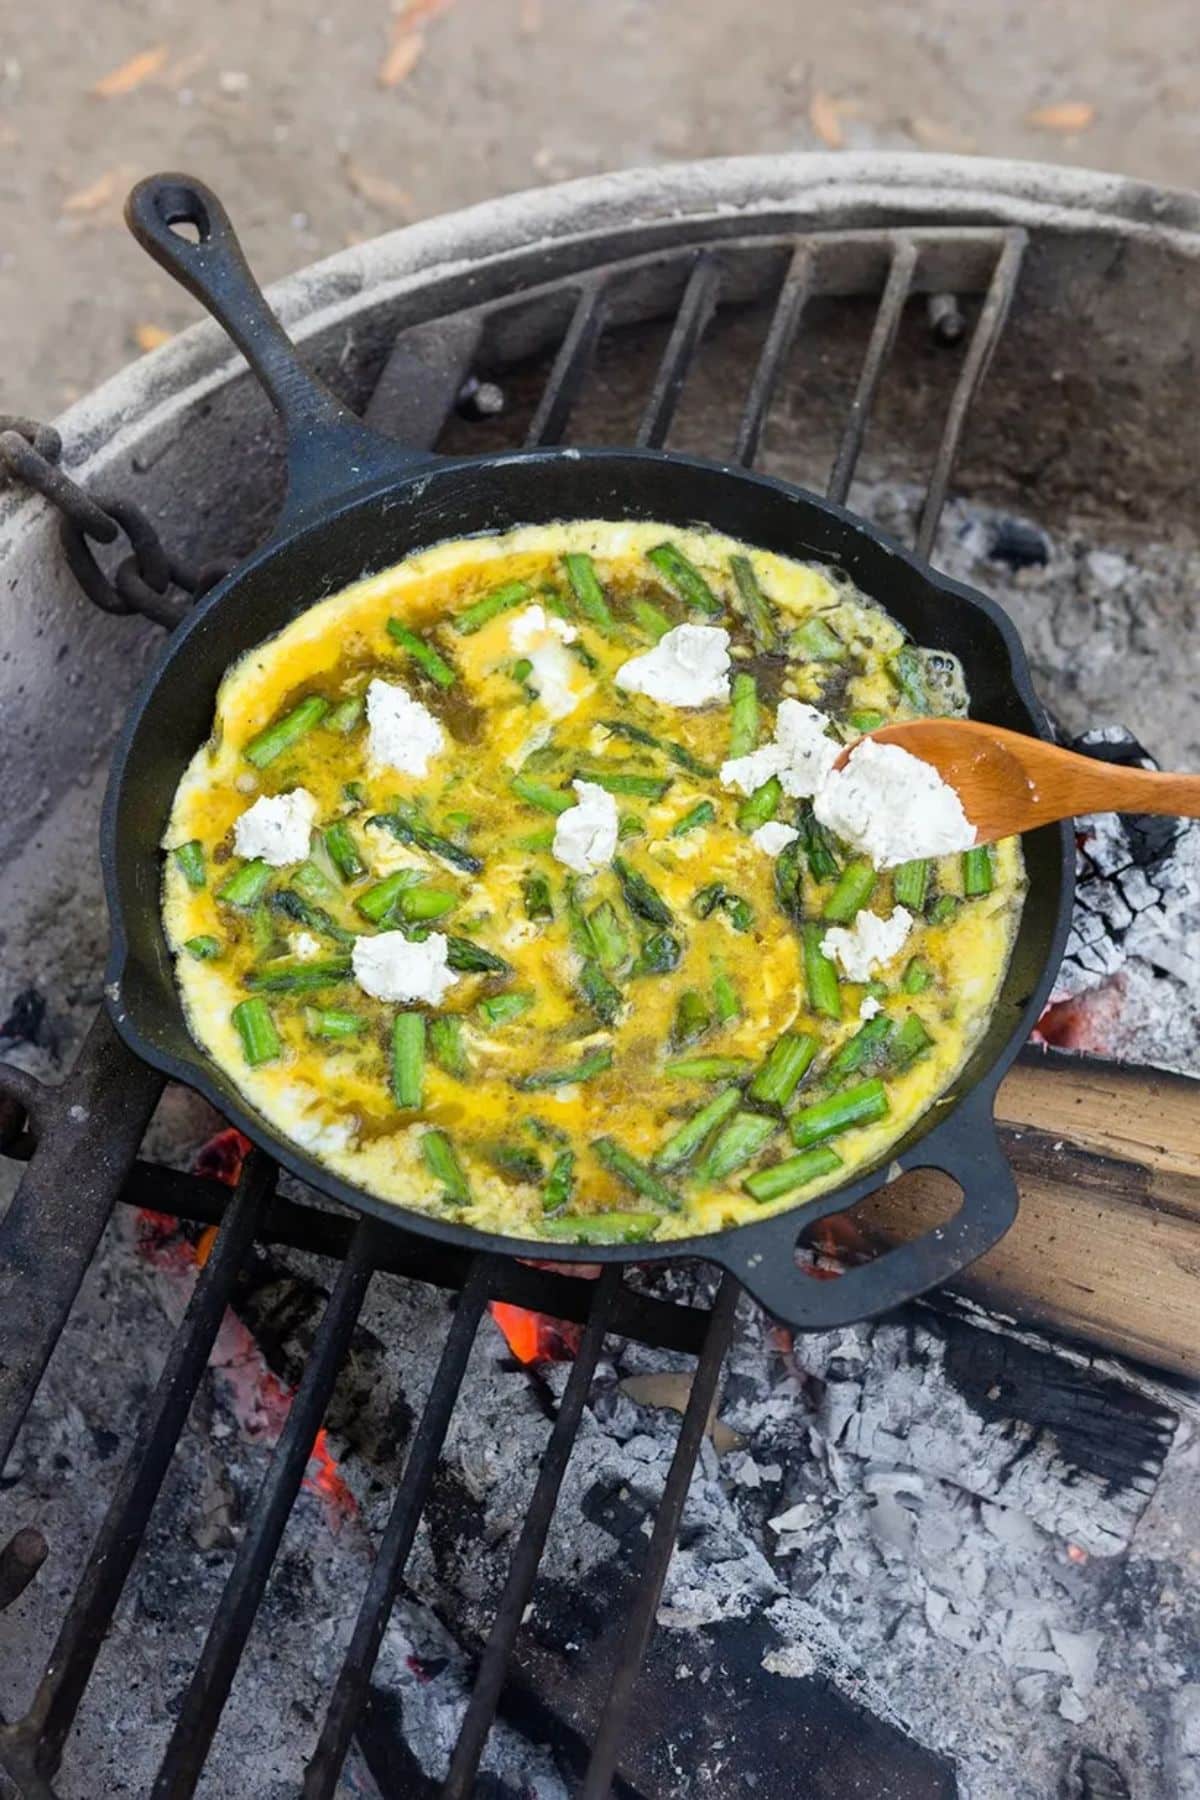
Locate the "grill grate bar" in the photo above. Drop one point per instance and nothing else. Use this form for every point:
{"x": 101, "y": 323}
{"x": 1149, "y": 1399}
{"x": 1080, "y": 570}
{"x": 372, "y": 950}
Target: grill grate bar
{"x": 984, "y": 339}
{"x": 691, "y": 321}
{"x": 242, "y": 1595}
{"x": 781, "y": 334}
{"x": 883, "y": 337}
{"x": 352, "y": 1688}
{"x": 528, "y": 1554}
{"x": 571, "y": 367}
{"x": 73, "y": 1657}
{"x": 607, "y": 1744}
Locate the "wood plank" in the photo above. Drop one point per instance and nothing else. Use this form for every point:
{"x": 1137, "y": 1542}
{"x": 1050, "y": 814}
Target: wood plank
{"x": 1106, "y": 1247}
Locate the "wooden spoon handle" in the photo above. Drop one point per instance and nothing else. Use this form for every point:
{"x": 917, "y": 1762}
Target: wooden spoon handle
{"x": 1092, "y": 786}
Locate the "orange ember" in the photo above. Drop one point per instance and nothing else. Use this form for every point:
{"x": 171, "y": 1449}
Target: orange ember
{"x": 222, "y": 1157}
{"x": 324, "y": 1479}
{"x": 534, "y": 1337}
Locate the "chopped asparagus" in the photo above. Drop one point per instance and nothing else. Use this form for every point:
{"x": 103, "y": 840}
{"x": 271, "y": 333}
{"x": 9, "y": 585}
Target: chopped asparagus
{"x": 660, "y": 953}
{"x": 866, "y": 1046}
{"x": 753, "y": 605}
{"x": 424, "y": 655}
{"x": 601, "y": 1228}
{"x": 500, "y": 1009}
{"x": 912, "y": 1040}
{"x": 822, "y": 862}
{"x": 437, "y": 1153}
{"x": 517, "y": 1162}
{"x": 535, "y": 841}
{"x": 594, "y": 1063}
{"x": 633, "y": 1174}
{"x": 977, "y": 871}
{"x": 466, "y": 957}
{"x": 683, "y": 1145}
{"x": 860, "y": 1105}
{"x": 446, "y": 1044}
{"x": 612, "y": 945}
{"x": 377, "y": 902}
{"x": 692, "y": 1018}
{"x": 535, "y": 890}
{"x": 726, "y": 1005}
{"x": 816, "y": 641}
{"x": 585, "y": 586}
{"x": 708, "y": 1068}
{"x": 824, "y": 994}
{"x": 917, "y": 976}
{"x": 501, "y": 599}
{"x": 410, "y": 830}
{"x": 866, "y": 720}
{"x": 332, "y": 1022}
{"x": 910, "y": 883}
{"x": 678, "y": 753}
{"x": 743, "y": 716}
{"x": 740, "y": 1140}
{"x": 264, "y": 941}
{"x": 303, "y": 912}
{"x": 541, "y": 794}
{"x": 787, "y": 1061}
{"x": 789, "y": 890}
{"x": 419, "y": 904}
{"x": 640, "y": 897}
{"x": 203, "y": 947}
{"x": 685, "y": 578}
{"x": 343, "y": 852}
{"x": 622, "y": 781}
{"x": 604, "y": 999}
{"x": 794, "y": 1172}
{"x": 703, "y": 813}
{"x": 256, "y": 1028}
{"x": 287, "y": 976}
{"x": 855, "y": 887}
{"x": 408, "y": 1058}
{"x": 653, "y": 621}
{"x": 760, "y": 806}
{"x": 716, "y": 895}
{"x": 190, "y": 860}
{"x": 345, "y": 715}
{"x": 248, "y": 885}
{"x": 313, "y": 883}
{"x": 560, "y": 1183}
{"x": 267, "y": 745}
{"x": 907, "y": 670}
{"x": 942, "y": 909}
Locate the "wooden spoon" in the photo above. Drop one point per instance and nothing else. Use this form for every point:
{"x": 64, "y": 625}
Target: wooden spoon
{"x": 1009, "y": 783}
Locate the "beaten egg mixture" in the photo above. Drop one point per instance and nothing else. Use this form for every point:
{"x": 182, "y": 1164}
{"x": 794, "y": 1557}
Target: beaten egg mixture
{"x": 661, "y": 1043}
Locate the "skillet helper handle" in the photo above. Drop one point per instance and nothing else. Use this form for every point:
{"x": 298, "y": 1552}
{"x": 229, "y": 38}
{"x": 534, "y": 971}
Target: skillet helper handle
{"x": 970, "y": 1153}
{"x": 328, "y": 450}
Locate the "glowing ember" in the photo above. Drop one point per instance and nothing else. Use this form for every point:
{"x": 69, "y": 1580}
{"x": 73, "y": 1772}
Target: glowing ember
{"x": 222, "y": 1157}
{"x": 533, "y": 1337}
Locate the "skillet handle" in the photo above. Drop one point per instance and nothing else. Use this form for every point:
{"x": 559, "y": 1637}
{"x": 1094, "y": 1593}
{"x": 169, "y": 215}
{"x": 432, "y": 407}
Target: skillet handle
{"x": 969, "y": 1152}
{"x": 329, "y": 452}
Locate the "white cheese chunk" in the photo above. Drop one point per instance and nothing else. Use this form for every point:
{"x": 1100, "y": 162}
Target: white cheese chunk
{"x": 869, "y": 944}
{"x": 689, "y": 666}
{"x": 306, "y": 946}
{"x": 390, "y": 966}
{"x": 773, "y": 837}
{"x": 869, "y": 1008}
{"x": 585, "y": 836}
{"x": 277, "y": 828}
{"x": 893, "y": 807}
{"x": 800, "y": 754}
{"x": 557, "y": 679}
{"x": 403, "y": 734}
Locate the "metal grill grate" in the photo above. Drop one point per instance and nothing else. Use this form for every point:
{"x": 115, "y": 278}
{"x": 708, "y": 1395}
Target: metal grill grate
{"x": 80, "y": 1140}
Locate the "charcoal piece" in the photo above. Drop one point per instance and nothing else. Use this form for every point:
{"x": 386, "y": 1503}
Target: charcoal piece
{"x": 1018, "y": 545}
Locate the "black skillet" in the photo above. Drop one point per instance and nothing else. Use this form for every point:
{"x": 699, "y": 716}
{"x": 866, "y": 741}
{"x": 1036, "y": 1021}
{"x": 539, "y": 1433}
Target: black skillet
{"x": 356, "y": 503}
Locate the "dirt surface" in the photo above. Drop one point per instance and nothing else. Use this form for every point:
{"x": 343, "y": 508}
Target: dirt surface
{"x": 283, "y": 107}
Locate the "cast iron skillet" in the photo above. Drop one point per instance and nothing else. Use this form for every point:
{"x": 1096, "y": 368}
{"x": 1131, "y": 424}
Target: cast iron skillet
{"x": 356, "y": 503}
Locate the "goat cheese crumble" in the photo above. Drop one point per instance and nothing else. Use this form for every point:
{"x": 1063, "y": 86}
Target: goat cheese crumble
{"x": 869, "y": 1008}
{"x": 869, "y": 944}
{"x": 389, "y": 966}
{"x": 402, "y": 733}
{"x": 773, "y": 838}
{"x": 893, "y": 807}
{"x": 540, "y": 636}
{"x": 585, "y": 836}
{"x": 277, "y": 828}
{"x": 800, "y": 754}
{"x": 689, "y": 666}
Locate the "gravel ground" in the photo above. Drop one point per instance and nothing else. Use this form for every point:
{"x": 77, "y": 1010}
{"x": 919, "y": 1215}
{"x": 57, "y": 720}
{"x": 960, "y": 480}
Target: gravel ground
{"x": 282, "y": 107}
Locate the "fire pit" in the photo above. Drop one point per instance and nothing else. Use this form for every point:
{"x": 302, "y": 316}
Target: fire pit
{"x": 291, "y": 1499}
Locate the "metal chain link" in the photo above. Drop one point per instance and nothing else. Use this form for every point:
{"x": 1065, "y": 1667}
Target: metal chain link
{"x": 143, "y": 581}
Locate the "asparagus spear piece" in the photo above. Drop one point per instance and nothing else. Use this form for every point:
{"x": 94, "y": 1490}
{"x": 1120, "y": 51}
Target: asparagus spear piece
{"x": 303, "y": 912}
{"x": 753, "y": 605}
{"x": 917, "y": 976}
{"x": 248, "y": 885}
{"x": 313, "y": 883}
{"x": 446, "y": 1044}
{"x": 599, "y": 992}
{"x": 377, "y": 902}
{"x": 817, "y": 642}
{"x": 910, "y": 883}
{"x": 423, "y": 654}
{"x": 266, "y": 745}
{"x": 585, "y": 585}
{"x": 788, "y": 888}
{"x": 621, "y": 781}
{"x": 612, "y": 945}
{"x": 860, "y": 1105}
{"x": 855, "y": 887}
{"x": 684, "y": 577}
{"x": 743, "y": 716}
{"x": 740, "y": 1140}
{"x": 287, "y": 976}
{"x": 911, "y": 1041}
{"x": 345, "y": 715}
{"x": 466, "y": 957}
{"x": 977, "y": 871}
{"x": 410, "y": 830}
{"x": 867, "y": 1045}
{"x": 541, "y": 794}
{"x": 263, "y": 940}
{"x": 594, "y": 1063}
{"x": 501, "y": 599}
{"x": 203, "y": 947}
{"x": 943, "y": 908}
{"x": 692, "y": 1019}
{"x": 683, "y": 1145}
{"x": 817, "y": 848}
{"x": 418, "y": 904}
{"x": 535, "y": 841}
{"x": 794, "y": 1172}
{"x": 653, "y": 621}
{"x": 703, "y": 813}
{"x": 408, "y": 1058}
{"x": 824, "y": 994}
{"x": 633, "y": 1173}
{"x": 760, "y": 806}
{"x": 256, "y": 1028}
{"x": 678, "y": 753}
{"x": 726, "y": 1004}
{"x": 786, "y": 1062}
{"x": 190, "y": 861}
{"x": 708, "y": 1068}
{"x": 501, "y": 1009}
{"x": 601, "y": 1228}
{"x": 535, "y": 890}
{"x": 640, "y": 897}
{"x": 437, "y": 1153}
{"x": 660, "y": 953}
{"x": 332, "y": 1022}
{"x": 907, "y": 670}
{"x": 866, "y": 720}
{"x": 515, "y": 1161}
{"x": 343, "y": 852}
{"x": 739, "y": 912}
